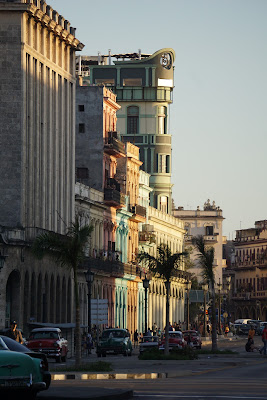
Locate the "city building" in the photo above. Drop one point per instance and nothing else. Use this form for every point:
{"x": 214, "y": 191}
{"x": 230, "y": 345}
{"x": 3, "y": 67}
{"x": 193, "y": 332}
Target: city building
{"x": 143, "y": 84}
{"x": 206, "y": 222}
{"x": 249, "y": 272}
{"x": 37, "y": 97}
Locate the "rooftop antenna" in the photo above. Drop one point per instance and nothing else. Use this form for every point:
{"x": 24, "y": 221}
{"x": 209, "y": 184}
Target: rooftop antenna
{"x": 109, "y": 56}
{"x": 99, "y": 58}
{"x": 139, "y": 54}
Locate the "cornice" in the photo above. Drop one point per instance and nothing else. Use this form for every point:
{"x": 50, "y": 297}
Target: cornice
{"x": 45, "y": 20}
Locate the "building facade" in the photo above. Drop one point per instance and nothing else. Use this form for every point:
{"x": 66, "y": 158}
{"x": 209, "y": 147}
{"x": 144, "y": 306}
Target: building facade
{"x": 249, "y": 272}
{"x": 37, "y": 67}
{"x": 143, "y": 84}
{"x": 206, "y": 222}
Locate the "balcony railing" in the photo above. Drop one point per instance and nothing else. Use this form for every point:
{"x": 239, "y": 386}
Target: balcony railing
{"x": 114, "y": 198}
{"x": 114, "y": 146}
{"x": 139, "y": 213}
{"x": 147, "y": 237}
{"x": 113, "y": 267}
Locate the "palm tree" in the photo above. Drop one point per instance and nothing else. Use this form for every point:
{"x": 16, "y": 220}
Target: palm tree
{"x": 163, "y": 266}
{"x": 206, "y": 262}
{"x": 67, "y": 251}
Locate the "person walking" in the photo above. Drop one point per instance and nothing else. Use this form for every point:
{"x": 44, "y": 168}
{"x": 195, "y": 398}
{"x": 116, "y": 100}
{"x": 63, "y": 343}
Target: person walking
{"x": 14, "y": 333}
{"x": 264, "y": 339}
{"x": 136, "y": 337}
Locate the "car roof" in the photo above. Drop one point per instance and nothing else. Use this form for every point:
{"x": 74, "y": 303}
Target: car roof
{"x": 46, "y": 330}
{"x": 115, "y": 329}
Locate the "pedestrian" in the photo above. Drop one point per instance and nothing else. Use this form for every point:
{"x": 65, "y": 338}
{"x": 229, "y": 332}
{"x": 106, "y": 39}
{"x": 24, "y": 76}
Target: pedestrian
{"x": 89, "y": 342}
{"x": 136, "y": 338}
{"x": 264, "y": 339}
{"x": 226, "y": 331}
{"x": 154, "y": 329}
{"x": 148, "y": 333}
{"x": 14, "y": 333}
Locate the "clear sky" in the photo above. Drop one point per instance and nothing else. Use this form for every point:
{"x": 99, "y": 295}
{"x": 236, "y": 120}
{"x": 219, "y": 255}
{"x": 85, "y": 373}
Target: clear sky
{"x": 219, "y": 112}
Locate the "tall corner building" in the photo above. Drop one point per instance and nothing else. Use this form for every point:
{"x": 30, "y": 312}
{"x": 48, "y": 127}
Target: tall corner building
{"x": 143, "y": 84}
{"x": 37, "y": 109}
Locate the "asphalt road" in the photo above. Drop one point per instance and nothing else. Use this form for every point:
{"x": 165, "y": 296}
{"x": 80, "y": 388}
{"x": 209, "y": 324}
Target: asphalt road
{"x": 242, "y": 378}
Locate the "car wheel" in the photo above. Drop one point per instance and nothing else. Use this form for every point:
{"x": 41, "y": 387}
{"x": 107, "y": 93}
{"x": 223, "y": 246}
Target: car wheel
{"x": 58, "y": 359}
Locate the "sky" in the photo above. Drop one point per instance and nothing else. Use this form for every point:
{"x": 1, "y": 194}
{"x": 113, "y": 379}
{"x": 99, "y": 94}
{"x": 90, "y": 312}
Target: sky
{"x": 219, "y": 111}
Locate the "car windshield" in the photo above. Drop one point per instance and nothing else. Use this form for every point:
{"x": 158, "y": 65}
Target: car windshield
{"x": 115, "y": 334}
{"x": 175, "y": 334}
{"x": 3, "y": 346}
{"x": 44, "y": 335}
{"x": 14, "y": 346}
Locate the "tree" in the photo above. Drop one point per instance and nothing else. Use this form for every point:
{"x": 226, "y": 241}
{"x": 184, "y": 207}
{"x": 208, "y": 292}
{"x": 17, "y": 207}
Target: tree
{"x": 206, "y": 262}
{"x": 67, "y": 251}
{"x": 163, "y": 266}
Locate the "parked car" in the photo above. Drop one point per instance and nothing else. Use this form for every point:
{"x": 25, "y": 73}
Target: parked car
{"x": 243, "y": 329}
{"x": 176, "y": 340}
{"x": 21, "y": 348}
{"x": 148, "y": 343}
{"x": 260, "y": 328}
{"x": 50, "y": 342}
{"x": 195, "y": 338}
{"x": 20, "y": 373}
{"x": 115, "y": 341}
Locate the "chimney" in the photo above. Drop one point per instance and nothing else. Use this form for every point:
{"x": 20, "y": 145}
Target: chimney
{"x": 109, "y": 56}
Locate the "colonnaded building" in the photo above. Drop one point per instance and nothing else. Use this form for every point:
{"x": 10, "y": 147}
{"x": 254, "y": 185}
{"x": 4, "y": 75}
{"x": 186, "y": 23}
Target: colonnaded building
{"x": 41, "y": 123}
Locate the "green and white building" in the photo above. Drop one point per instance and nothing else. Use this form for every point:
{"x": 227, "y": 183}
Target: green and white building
{"x": 143, "y": 84}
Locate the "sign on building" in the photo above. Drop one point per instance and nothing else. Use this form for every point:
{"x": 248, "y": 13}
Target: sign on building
{"x": 99, "y": 311}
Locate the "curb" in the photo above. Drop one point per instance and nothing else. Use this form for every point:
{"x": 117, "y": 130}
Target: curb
{"x": 84, "y": 376}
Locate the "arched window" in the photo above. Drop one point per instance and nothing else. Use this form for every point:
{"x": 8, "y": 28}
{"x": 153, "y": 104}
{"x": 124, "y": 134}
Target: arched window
{"x": 132, "y": 120}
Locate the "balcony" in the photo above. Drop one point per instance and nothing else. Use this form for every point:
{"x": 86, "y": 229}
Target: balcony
{"x": 113, "y": 146}
{"x": 147, "y": 238}
{"x": 139, "y": 213}
{"x": 211, "y": 238}
{"x": 114, "y": 198}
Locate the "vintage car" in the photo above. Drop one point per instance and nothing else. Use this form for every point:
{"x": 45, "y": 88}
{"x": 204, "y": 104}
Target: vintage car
{"x": 15, "y": 346}
{"x": 176, "y": 340}
{"x": 195, "y": 339}
{"x": 115, "y": 341}
{"x": 50, "y": 342}
{"x": 20, "y": 374}
{"x": 148, "y": 343}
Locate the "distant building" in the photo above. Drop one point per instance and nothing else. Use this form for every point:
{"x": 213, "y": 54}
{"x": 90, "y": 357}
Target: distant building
{"x": 143, "y": 84}
{"x": 206, "y": 222}
{"x": 249, "y": 283}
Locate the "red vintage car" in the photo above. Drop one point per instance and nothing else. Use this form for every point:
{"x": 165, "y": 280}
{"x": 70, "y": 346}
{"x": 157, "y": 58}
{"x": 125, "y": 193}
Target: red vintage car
{"x": 195, "y": 338}
{"x": 176, "y": 340}
{"x": 50, "y": 342}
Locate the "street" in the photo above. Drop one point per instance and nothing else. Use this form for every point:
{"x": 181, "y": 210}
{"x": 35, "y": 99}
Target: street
{"x": 228, "y": 377}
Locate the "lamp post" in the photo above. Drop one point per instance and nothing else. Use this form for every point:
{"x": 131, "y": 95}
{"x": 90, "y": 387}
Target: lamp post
{"x": 228, "y": 287}
{"x": 205, "y": 289}
{"x": 145, "y": 286}
{"x": 188, "y": 287}
{"x": 219, "y": 285}
{"x": 89, "y": 277}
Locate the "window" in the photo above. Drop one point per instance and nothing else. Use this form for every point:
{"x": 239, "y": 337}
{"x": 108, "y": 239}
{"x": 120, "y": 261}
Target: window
{"x": 209, "y": 230}
{"x": 163, "y": 163}
{"x": 81, "y": 107}
{"x": 82, "y": 173}
{"x": 105, "y": 81}
{"x": 162, "y": 120}
{"x": 132, "y": 82}
{"x": 132, "y": 120}
{"x": 164, "y": 204}
{"x": 81, "y": 128}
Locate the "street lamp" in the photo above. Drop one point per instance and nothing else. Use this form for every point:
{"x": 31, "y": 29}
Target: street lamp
{"x": 219, "y": 285}
{"x": 205, "y": 288}
{"x": 188, "y": 287}
{"x": 228, "y": 287}
{"x": 89, "y": 277}
{"x": 145, "y": 286}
